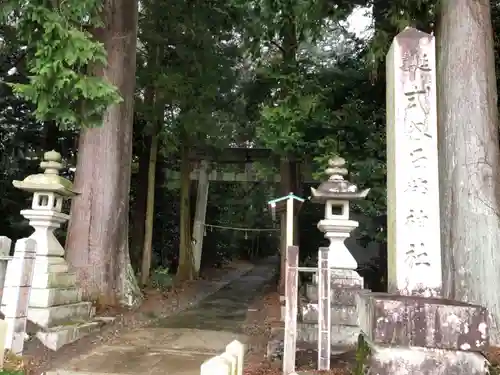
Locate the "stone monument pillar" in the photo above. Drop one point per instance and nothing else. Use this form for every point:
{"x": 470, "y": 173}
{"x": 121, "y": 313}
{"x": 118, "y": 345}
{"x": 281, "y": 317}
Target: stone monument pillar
{"x": 412, "y": 330}
{"x": 55, "y": 303}
{"x": 332, "y": 301}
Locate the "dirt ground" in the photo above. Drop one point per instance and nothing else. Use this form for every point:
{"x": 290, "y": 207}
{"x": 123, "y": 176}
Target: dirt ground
{"x": 157, "y": 303}
{"x": 262, "y": 317}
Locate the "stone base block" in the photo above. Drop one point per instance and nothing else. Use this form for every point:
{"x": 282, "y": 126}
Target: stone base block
{"x": 54, "y": 280}
{"x": 54, "y": 297}
{"x": 341, "y": 315}
{"x": 343, "y": 277}
{"x": 49, "y": 317}
{"x": 341, "y": 295}
{"x": 439, "y": 323}
{"x": 378, "y": 360}
{"x": 344, "y": 338}
{"x": 56, "y": 337}
{"x": 346, "y": 278}
{"x": 341, "y": 335}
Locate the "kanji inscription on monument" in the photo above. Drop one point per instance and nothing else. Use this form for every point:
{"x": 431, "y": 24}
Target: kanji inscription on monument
{"x": 414, "y": 246}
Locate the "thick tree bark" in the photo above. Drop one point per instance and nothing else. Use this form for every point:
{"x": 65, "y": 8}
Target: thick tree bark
{"x": 469, "y": 156}
{"x": 97, "y": 243}
{"x": 185, "y": 271}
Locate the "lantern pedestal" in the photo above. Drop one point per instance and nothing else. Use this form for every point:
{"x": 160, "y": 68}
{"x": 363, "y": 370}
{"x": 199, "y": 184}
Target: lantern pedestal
{"x": 337, "y": 231}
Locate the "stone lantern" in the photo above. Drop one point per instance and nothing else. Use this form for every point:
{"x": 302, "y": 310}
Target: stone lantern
{"x": 49, "y": 189}
{"x": 55, "y": 301}
{"x": 332, "y": 302}
{"x": 336, "y": 193}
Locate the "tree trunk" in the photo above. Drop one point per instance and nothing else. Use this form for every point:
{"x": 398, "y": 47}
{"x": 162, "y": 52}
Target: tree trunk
{"x": 139, "y": 208}
{"x": 185, "y": 271}
{"x": 469, "y": 156}
{"x": 148, "y": 234}
{"x": 97, "y": 243}
{"x": 153, "y": 100}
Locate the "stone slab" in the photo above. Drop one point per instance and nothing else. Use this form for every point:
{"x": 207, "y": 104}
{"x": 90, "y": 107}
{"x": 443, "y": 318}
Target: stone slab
{"x": 133, "y": 360}
{"x": 54, "y": 280}
{"x": 62, "y": 314}
{"x": 340, "y": 295}
{"x": 56, "y": 337}
{"x": 346, "y": 278}
{"x": 423, "y": 322}
{"x": 54, "y": 297}
{"x": 339, "y": 334}
{"x": 343, "y": 338}
{"x": 346, "y": 315}
{"x": 181, "y": 339}
{"x": 419, "y": 361}
{"x": 159, "y": 350}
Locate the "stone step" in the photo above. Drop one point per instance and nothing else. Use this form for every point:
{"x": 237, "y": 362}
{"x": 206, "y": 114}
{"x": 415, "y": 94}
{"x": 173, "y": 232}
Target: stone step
{"x": 54, "y": 297}
{"x": 341, "y": 335}
{"x": 56, "y": 337}
{"x": 60, "y": 315}
{"x": 54, "y": 280}
{"x": 343, "y": 338}
{"x": 339, "y": 295}
{"x": 345, "y": 315}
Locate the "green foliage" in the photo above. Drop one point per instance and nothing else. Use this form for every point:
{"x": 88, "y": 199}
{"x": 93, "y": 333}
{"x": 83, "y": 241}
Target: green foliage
{"x": 392, "y": 17}
{"x": 362, "y": 355}
{"x": 60, "y": 57}
{"x": 162, "y": 279}
{"x": 196, "y": 75}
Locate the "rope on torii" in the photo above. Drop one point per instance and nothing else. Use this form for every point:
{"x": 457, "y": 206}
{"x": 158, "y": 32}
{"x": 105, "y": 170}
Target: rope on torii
{"x": 242, "y": 228}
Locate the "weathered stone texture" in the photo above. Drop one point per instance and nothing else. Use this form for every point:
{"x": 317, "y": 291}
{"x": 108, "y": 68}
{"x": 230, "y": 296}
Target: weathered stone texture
{"x": 340, "y": 314}
{"x": 397, "y": 361}
{"x": 344, "y": 295}
{"x": 423, "y": 322}
{"x": 346, "y": 278}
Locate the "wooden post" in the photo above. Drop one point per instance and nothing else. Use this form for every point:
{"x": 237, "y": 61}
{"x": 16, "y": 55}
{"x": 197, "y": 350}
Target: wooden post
{"x": 200, "y": 214}
{"x": 288, "y": 227}
{"x": 289, "y": 222}
{"x": 324, "y": 312}
{"x": 292, "y": 272}
{"x": 285, "y": 188}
